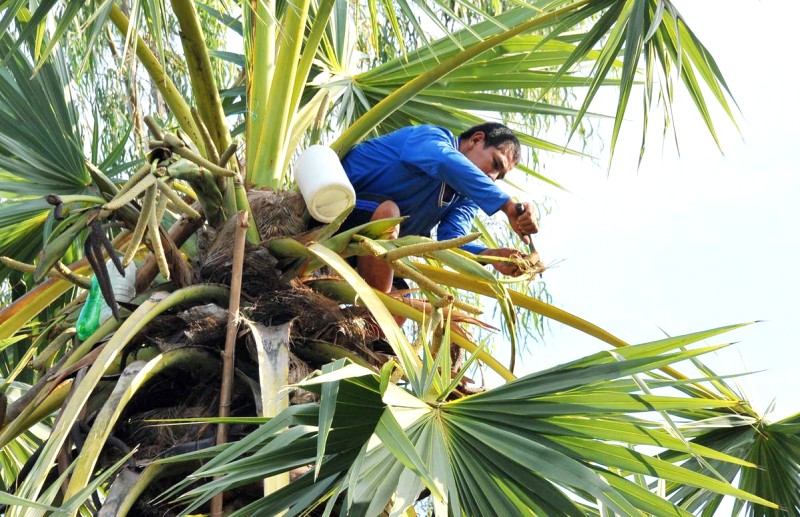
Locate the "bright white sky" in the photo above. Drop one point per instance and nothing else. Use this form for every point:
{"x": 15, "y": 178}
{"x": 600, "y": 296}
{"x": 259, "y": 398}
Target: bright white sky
{"x": 698, "y": 241}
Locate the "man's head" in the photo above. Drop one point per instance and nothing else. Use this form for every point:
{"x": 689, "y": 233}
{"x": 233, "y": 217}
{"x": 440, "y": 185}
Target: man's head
{"x": 492, "y": 147}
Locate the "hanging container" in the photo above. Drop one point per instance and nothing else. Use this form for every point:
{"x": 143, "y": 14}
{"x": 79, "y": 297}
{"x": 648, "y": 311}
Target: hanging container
{"x": 95, "y": 311}
{"x": 323, "y": 183}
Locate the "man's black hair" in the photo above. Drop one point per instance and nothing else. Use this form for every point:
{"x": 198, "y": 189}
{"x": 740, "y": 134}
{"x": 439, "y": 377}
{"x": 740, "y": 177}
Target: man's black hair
{"x": 497, "y": 135}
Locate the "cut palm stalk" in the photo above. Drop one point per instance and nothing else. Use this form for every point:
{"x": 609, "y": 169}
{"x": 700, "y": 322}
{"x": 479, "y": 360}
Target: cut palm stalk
{"x": 177, "y": 201}
{"x": 41, "y": 360}
{"x": 180, "y": 148}
{"x": 79, "y": 280}
{"x": 429, "y": 247}
{"x": 123, "y": 199}
{"x": 156, "y": 245}
{"x": 148, "y": 205}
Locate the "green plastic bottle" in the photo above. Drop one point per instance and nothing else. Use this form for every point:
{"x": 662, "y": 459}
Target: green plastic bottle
{"x": 95, "y": 310}
{"x": 89, "y": 318}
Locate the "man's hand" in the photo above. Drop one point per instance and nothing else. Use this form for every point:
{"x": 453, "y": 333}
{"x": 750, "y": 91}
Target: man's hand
{"x": 523, "y": 224}
{"x": 505, "y": 268}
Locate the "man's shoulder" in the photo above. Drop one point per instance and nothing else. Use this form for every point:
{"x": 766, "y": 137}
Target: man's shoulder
{"x": 421, "y": 131}
{"x": 432, "y": 130}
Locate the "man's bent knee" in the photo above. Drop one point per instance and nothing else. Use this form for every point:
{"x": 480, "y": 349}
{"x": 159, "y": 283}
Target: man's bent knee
{"x": 387, "y": 210}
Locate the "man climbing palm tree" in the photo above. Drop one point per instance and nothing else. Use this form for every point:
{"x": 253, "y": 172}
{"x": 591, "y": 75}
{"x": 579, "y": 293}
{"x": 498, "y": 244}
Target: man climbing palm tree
{"x": 434, "y": 178}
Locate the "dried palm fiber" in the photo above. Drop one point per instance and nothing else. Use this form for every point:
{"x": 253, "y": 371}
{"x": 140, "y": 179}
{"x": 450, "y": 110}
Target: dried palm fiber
{"x": 154, "y": 438}
{"x": 277, "y": 214}
{"x": 299, "y": 370}
{"x": 532, "y": 264}
{"x": 198, "y": 326}
{"x": 180, "y": 393}
{"x": 315, "y": 318}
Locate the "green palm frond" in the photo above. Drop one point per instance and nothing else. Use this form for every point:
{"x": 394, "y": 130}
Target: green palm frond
{"x": 40, "y": 140}
{"x": 21, "y": 225}
{"x": 15, "y": 454}
{"x": 40, "y": 150}
{"x": 582, "y": 438}
{"x": 554, "y": 435}
{"x": 774, "y": 447}
{"x": 653, "y": 29}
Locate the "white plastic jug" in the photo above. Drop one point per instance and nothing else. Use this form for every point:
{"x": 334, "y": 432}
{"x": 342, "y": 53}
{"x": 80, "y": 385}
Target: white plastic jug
{"x": 323, "y": 183}
{"x": 123, "y": 287}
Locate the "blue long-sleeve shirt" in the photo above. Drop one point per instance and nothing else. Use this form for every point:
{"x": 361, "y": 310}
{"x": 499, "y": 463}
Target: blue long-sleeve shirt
{"x": 413, "y": 167}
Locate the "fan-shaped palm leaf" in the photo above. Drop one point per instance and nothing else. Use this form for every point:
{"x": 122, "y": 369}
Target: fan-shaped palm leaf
{"x": 551, "y": 435}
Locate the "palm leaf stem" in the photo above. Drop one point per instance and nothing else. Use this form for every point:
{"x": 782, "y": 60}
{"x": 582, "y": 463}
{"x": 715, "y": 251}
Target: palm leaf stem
{"x": 343, "y": 292}
{"x": 312, "y": 112}
{"x": 313, "y": 109}
{"x": 204, "y": 85}
{"x": 454, "y": 280}
{"x": 161, "y": 80}
{"x": 150, "y": 474}
{"x": 79, "y": 280}
{"x": 36, "y": 413}
{"x": 243, "y": 205}
{"x": 277, "y": 113}
{"x": 260, "y": 44}
{"x": 206, "y": 95}
{"x": 147, "y": 311}
{"x": 19, "y": 313}
{"x": 388, "y": 105}
{"x": 133, "y": 377}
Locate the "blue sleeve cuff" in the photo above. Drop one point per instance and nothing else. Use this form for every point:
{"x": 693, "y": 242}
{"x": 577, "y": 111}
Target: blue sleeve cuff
{"x": 474, "y": 248}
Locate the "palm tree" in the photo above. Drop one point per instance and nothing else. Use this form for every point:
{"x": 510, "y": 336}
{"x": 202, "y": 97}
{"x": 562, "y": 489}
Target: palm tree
{"x": 560, "y": 441}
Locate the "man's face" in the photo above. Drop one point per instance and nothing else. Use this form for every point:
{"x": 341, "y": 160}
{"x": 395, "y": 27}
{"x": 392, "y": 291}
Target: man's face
{"x": 493, "y": 161}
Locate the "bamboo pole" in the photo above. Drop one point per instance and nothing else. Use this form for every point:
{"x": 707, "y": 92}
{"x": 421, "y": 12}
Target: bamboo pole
{"x": 226, "y": 389}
